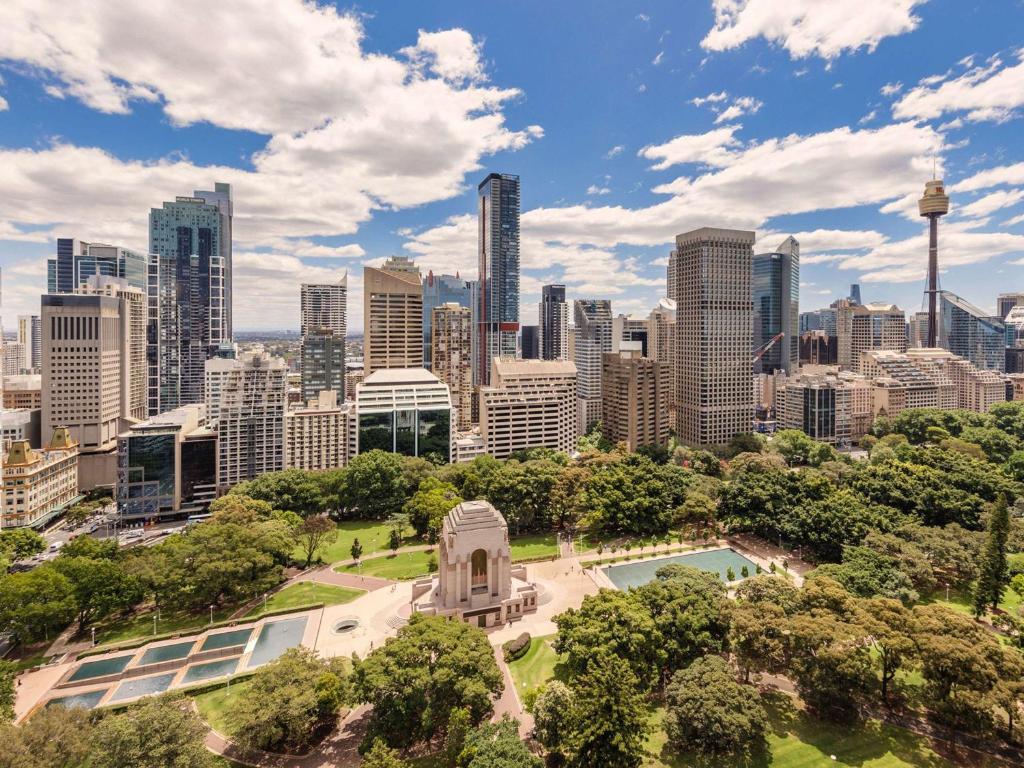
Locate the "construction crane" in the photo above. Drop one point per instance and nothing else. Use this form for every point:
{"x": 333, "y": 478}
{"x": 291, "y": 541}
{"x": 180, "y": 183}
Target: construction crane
{"x": 760, "y": 351}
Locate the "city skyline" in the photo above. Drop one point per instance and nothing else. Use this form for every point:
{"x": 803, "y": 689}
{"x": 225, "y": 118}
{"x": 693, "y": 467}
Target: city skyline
{"x": 826, "y": 132}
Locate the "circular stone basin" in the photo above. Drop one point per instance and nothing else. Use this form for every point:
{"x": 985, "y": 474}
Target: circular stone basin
{"x": 345, "y": 626}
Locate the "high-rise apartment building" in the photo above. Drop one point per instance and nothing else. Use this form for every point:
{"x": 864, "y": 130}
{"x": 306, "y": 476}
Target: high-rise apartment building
{"x": 530, "y": 342}
{"x": 593, "y": 337}
{"x": 634, "y": 398}
{"x": 529, "y": 404}
{"x": 627, "y": 328}
{"x": 661, "y": 342}
{"x": 322, "y": 363}
{"x": 392, "y": 316}
{"x": 776, "y": 285}
{"x": 250, "y": 411}
{"x": 672, "y": 271}
{"x": 189, "y": 293}
{"x": 554, "y": 323}
{"x": 77, "y": 261}
{"x": 864, "y": 327}
{"x": 714, "y": 335}
{"x": 12, "y": 358}
{"x": 452, "y": 336}
{"x": 438, "y": 290}
{"x": 324, "y": 305}
{"x": 498, "y": 271}
{"x": 30, "y": 336}
{"x": 316, "y": 434}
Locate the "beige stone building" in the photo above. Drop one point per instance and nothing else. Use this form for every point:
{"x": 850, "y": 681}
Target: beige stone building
{"x": 634, "y": 398}
{"x": 451, "y": 357}
{"x": 864, "y": 327}
{"x": 316, "y": 435}
{"x": 476, "y": 580}
{"x": 38, "y": 485}
{"x": 898, "y": 383}
{"x": 392, "y": 316}
{"x": 529, "y": 404}
{"x": 23, "y": 391}
{"x": 714, "y": 335}
{"x": 977, "y": 389}
{"x": 829, "y": 405}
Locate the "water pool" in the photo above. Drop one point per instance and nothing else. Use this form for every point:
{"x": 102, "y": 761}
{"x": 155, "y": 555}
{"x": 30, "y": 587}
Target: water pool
{"x": 100, "y": 667}
{"x": 210, "y": 670}
{"x": 84, "y": 700}
{"x": 143, "y": 686}
{"x": 275, "y": 638}
{"x": 166, "y": 653}
{"x": 716, "y": 561}
{"x": 226, "y": 639}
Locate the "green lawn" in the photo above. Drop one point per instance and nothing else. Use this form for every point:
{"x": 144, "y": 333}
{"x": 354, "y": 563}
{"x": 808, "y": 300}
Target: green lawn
{"x": 534, "y": 545}
{"x": 211, "y": 705}
{"x": 140, "y": 623}
{"x": 371, "y": 534}
{"x": 307, "y": 593}
{"x": 539, "y": 664}
{"x": 962, "y": 602}
{"x": 404, "y": 565}
{"x": 797, "y": 740}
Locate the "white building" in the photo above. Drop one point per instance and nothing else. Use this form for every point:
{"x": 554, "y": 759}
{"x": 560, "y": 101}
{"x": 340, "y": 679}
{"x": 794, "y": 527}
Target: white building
{"x": 316, "y": 435}
{"x": 406, "y": 411}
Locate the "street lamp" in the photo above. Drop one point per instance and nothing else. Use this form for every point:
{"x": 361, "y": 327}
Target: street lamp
{"x": 93, "y": 635}
{"x": 264, "y": 601}
{"x": 154, "y": 623}
{"x": 211, "y": 613}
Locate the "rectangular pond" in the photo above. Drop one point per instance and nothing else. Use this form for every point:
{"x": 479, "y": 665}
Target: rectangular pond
{"x": 275, "y": 638}
{"x": 166, "y": 653}
{"x": 100, "y": 667}
{"x": 210, "y": 670}
{"x": 84, "y": 700}
{"x": 143, "y": 686}
{"x": 716, "y": 561}
{"x": 226, "y": 639}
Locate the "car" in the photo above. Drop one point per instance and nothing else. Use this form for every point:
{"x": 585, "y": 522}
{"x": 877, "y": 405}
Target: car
{"x": 135, "y": 533}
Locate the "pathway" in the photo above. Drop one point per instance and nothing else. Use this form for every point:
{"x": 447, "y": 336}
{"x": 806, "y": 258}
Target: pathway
{"x": 509, "y": 703}
{"x": 327, "y": 575}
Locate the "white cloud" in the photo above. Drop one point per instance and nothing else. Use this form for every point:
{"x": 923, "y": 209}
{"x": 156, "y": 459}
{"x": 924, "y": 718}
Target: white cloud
{"x": 1014, "y": 221}
{"x": 891, "y": 89}
{"x": 4, "y": 106}
{"x": 643, "y": 17}
{"x": 990, "y": 92}
{"x": 714, "y": 148}
{"x": 452, "y": 54}
{"x": 593, "y": 189}
{"x": 952, "y": 124}
{"x": 824, "y": 28}
{"x": 711, "y": 98}
{"x": 658, "y": 59}
{"x": 614, "y": 152}
{"x": 744, "y": 105}
{"x": 991, "y": 177}
{"x": 868, "y": 117}
{"x": 991, "y": 203}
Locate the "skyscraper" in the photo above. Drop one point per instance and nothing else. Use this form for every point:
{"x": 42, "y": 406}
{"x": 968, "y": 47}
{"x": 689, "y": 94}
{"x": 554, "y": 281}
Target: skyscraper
{"x": 530, "y": 342}
{"x": 392, "y": 316}
{"x": 498, "y": 271}
{"x": 776, "y": 286}
{"x": 452, "y": 334}
{"x": 1007, "y": 301}
{"x": 714, "y": 335}
{"x": 323, "y": 328}
{"x": 671, "y": 272}
{"x": 438, "y": 290}
{"x": 554, "y": 323}
{"x": 76, "y": 261}
{"x": 634, "y": 396}
{"x": 324, "y": 305}
{"x": 30, "y": 336}
{"x": 189, "y": 293}
{"x": 864, "y": 327}
{"x": 968, "y": 332}
{"x": 933, "y": 204}
{"x": 593, "y": 318}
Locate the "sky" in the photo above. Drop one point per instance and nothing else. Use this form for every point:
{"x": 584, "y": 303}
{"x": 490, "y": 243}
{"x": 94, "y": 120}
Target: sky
{"x": 352, "y": 132}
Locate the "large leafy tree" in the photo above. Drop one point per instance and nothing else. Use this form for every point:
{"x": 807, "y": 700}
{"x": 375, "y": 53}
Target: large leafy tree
{"x": 428, "y": 506}
{"x": 99, "y": 586}
{"x": 707, "y": 711}
{"x": 497, "y": 745}
{"x": 891, "y": 627}
{"x": 612, "y": 723}
{"x": 634, "y": 495}
{"x": 313, "y": 534}
{"x": 158, "y": 732}
{"x": 554, "y": 717}
{"x": 19, "y": 543}
{"x": 55, "y": 737}
{"x": 793, "y": 445}
{"x": 381, "y": 755}
{"x": 828, "y": 524}
{"x": 375, "y": 486}
{"x": 8, "y": 674}
{"x": 993, "y": 575}
{"x": 417, "y": 678}
{"x": 758, "y": 632}
{"x": 287, "y": 703}
{"x": 523, "y": 492}
{"x": 293, "y": 490}
{"x": 36, "y": 604}
{"x": 866, "y": 572}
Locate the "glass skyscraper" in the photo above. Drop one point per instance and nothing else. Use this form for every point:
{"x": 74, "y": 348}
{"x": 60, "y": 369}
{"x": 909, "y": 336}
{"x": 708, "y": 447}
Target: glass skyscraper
{"x": 438, "y": 290}
{"x": 969, "y": 333}
{"x": 76, "y": 261}
{"x": 776, "y": 293}
{"x": 498, "y": 275}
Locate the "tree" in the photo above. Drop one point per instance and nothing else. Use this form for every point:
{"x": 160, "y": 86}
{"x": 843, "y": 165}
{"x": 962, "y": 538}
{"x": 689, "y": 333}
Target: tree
{"x": 697, "y": 511}
{"x": 996, "y": 444}
{"x": 993, "y": 574}
{"x": 8, "y": 674}
{"x": 19, "y": 543}
{"x": 766, "y": 588}
{"x": 891, "y": 628}
{"x": 458, "y": 729}
{"x": 394, "y": 540}
{"x": 868, "y": 573}
{"x": 634, "y": 495}
{"x": 293, "y": 490}
{"x": 745, "y": 442}
{"x": 382, "y": 756}
{"x": 497, "y": 745}
{"x": 54, "y": 737}
{"x": 828, "y": 524}
{"x": 523, "y": 492}
{"x": 100, "y": 587}
{"x": 314, "y": 533}
{"x": 356, "y": 550}
{"x": 158, "y": 732}
{"x": 611, "y": 724}
{"x": 427, "y": 507}
{"x": 375, "y": 485}
{"x": 418, "y": 677}
{"x": 36, "y": 604}
{"x": 709, "y": 712}
{"x": 612, "y": 622}
{"x": 554, "y": 717}
{"x": 288, "y": 702}
{"x": 793, "y": 445}
{"x": 567, "y": 497}
{"x": 757, "y": 637}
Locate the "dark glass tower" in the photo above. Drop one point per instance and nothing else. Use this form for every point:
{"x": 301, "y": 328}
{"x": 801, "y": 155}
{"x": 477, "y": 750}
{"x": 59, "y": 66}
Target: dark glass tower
{"x": 498, "y": 324}
{"x": 776, "y": 293}
{"x": 554, "y": 323}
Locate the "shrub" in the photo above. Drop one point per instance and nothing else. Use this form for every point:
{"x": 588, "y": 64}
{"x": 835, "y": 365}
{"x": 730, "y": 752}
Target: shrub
{"x": 517, "y": 648}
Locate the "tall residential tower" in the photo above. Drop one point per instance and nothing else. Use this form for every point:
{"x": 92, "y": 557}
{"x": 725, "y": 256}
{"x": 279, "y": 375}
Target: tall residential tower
{"x": 498, "y": 271}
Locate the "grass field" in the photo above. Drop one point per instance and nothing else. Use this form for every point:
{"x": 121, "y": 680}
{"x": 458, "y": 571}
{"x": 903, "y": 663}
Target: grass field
{"x": 372, "y": 535}
{"x": 212, "y": 704}
{"x": 307, "y": 593}
{"x": 539, "y": 664}
{"x": 961, "y": 602}
{"x": 140, "y": 624}
{"x": 797, "y": 740}
{"x": 535, "y": 545}
{"x": 404, "y": 565}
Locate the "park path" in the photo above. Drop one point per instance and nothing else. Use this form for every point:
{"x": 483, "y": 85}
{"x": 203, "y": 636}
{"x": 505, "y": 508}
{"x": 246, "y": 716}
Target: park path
{"x": 509, "y": 703}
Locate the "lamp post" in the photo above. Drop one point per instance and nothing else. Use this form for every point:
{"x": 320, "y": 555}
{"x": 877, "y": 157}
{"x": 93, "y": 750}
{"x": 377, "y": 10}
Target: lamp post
{"x": 93, "y": 636}
{"x": 264, "y": 602}
{"x": 154, "y": 623}
{"x": 211, "y": 613}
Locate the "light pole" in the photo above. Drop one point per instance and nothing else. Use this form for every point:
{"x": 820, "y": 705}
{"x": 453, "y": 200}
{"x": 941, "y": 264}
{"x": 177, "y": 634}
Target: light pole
{"x": 211, "y": 613}
{"x": 154, "y": 623}
{"x": 264, "y": 602}
{"x": 93, "y": 636}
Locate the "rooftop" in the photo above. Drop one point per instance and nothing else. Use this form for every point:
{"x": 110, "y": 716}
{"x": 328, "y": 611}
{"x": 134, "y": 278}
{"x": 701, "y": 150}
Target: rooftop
{"x": 392, "y": 376}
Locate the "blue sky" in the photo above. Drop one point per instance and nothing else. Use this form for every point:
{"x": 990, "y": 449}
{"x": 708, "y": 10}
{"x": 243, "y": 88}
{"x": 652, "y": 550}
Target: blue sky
{"x": 354, "y": 132}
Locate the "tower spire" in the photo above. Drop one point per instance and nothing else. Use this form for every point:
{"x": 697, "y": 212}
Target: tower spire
{"x": 933, "y": 204}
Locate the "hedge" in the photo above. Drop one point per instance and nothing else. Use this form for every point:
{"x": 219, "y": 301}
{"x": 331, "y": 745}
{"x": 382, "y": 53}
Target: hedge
{"x": 516, "y": 648}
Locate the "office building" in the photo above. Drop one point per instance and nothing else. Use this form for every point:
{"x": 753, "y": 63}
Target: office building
{"x": 498, "y": 271}
{"x": 23, "y": 391}
{"x": 820, "y": 320}
{"x": 593, "y": 337}
{"x": 167, "y": 466}
{"x": 322, "y": 363}
{"x": 324, "y": 305}
{"x": 627, "y": 328}
{"x": 553, "y": 325}
{"x": 18, "y": 424}
{"x": 661, "y": 345}
{"x": 316, "y": 434}
{"x": 392, "y": 316}
{"x": 78, "y": 261}
{"x": 776, "y": 286}
{"x": 38, "y": 485}
{"x": 250, "y": 410}
{"x": 671, "y": 274}
{"x": 189, "y": 294}
{"x": 30, "y": 336}
{"x": 452, "y": 337}
{"x": 855, "y": 293}
{"x": 353, "y": 375}
{"x": 12, "y": 358}
{"x": 1014, "y": 321}
{"x": 438, "y": 290}
{"x": 530, "y": 347}
{"x": 529, "y": 404}
{"x": 406, "y": 411}
{"x": 970, "y": 333}
{"x": 714, "y": 335}
{"x": 1007, "y": 301}
{"x": 817, "y": 348}
{"x": 827, "y": 405}
{"x": 634, "y": 398}
{"x": 864, "y": 327}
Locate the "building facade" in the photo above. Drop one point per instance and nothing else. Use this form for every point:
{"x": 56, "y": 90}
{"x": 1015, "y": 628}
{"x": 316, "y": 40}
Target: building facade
{"x": 864, "y": 327}
{"x": 77, "y": 261}
{"x": 776, "y": 286}
{"x": 553, "y": 323}
{"x": 714, "y": 335}
{"x": 30, "y": 336}
{"x": 38, "y": 485}
{"x": 406, "y": 411}
{"x": 438, "y": 290}
{"x": 322, "y": 363}
{"x": 451, "y": 341}
{"x": 498, "y": 271}
{"x": 593, "y": 334}
{"x": 23, "y": 391}
{"x": 324, "y": 305}
{"x": 634, "y": 398}
{"x": 316, "y": 434}
{"x": 968, "y": 332}
{"x": 392, "y": 316}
